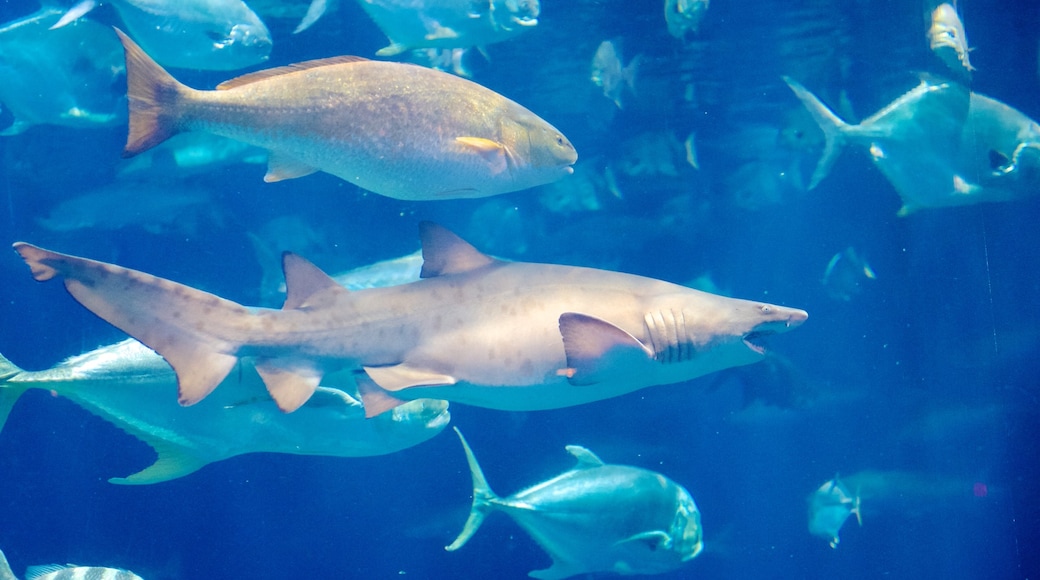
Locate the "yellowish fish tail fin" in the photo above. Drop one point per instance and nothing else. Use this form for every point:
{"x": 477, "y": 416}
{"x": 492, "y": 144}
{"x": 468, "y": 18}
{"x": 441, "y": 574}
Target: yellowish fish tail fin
{"x": 5, "y": 569}
{"x": 153, "y": 95}
{"x": 9, "y": 392}
{"x": 198, "y": 334}
{"x": 172, "y": 461}
{"x": 833, "y": 128}
{"x": 483, "y": 499}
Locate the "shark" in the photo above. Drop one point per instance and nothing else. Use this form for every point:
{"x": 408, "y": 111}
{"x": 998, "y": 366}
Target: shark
{"x": 126, "y": 385}
{"x": 474, "y": 330}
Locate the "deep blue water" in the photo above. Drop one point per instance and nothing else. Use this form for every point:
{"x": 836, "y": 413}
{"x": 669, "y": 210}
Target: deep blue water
{"x": 927, "y": 375}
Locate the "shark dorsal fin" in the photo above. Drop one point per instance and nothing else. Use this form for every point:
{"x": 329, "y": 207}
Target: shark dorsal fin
{"x": 586, "y": 459}
{"x": 445, "y": 253}
{"x": 304, "y": 281}
{"x": 284, "y": 70}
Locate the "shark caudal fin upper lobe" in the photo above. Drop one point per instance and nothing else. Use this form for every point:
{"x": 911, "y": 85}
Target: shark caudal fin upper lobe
{"x": 832, "y": 126}
{"x": 482, "y": 498}
{"x": 154, "y": 98}
{"x": 193, "y": 330}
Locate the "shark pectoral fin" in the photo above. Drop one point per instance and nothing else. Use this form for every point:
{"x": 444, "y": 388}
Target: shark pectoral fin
{"x": 586, "y": 459}
{"x": 375, "y": 399}
{"x": 445, "y": 253}
{"x": 654, "y": 540}
{"x": 493, "y": 152}
{"x": 401, "y": 376}
{"x": 289, "y": 381}
{"x": 281, "y": 167}
{"x": 173, "y": 461}
{"x": 595, "y": 348}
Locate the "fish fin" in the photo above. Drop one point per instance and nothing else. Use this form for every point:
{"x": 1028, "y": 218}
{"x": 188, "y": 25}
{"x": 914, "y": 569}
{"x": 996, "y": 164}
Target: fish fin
{"x": 402, "y": 376}
{"x": 168, "y": 317}
{"x": 586, "y": 459}
{"x": 38, "y": 571}
{"x": 281, "y": 167}
{"x": 592, "y": 346}
{"x": 832, "y": 126}
{"x": 16, "y": 128}
{"x": 289, "y": 381}
{"x": 9, "y": 393}
{"x": 75, "y": 13}
{"x": 558, "y": 571}
{"x": 393, "y": 49}
{"x": 963, "y": 187}
{"x": 315, "y": 10}
{"x": 482, "y": 498}
{"x": 906, "y": 210}
{"x": 445, "y": 253}
{"x": 654, "y": 540}
{"x": 154, "y": 98}
{"x": 267, "y": 73}
{"x": 491, "y": 151}
{"x": 173, "y": 461}
{"x": 375, "y": 399}
{"x": 5, "y": 569}
{"x": 305, "y": 284}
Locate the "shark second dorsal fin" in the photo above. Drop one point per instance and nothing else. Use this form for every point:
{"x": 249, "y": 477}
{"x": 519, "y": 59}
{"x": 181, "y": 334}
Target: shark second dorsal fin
{"x": 305, "y": 283}
{"x": 284, "y": 70}
{"x": 445, "y": 253}
{"x": 586, "y": 459}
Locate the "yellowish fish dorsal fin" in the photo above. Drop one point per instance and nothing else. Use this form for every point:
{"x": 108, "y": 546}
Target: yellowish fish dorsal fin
{"x": 445, "y": 253}
{"x": 173, "y": 461}
{"x": 287, "y": 69}
{"x": 596, "y": 349}
{"x": 281, "y": 167}
{"x": 586, "y": 459}
{"x": 289, "y": 381}
{"x": 305, "y": 284}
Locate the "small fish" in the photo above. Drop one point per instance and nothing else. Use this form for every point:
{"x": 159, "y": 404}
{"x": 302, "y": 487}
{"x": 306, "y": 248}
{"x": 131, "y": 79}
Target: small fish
{"x": 684, "y": 16}
{"x": 596, "y": 518}
{"x": 608, "y": 72}
{"x": 189, "y": 154}
{"x": 412, "y": 24}
{"x": 198, "y": 34}
{"x": 66, "y": 572}
{"x": 829, "y": 507}
{"x": 844, "y": 274}
{"x": 395, "y": 129}
{"x": 947, "y": 39}
{"x": 64, "y": 77}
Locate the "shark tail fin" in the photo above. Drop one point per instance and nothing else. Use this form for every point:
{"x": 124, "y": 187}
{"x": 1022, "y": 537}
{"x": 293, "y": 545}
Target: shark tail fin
{"x": 833, "y": 128}
{"x": 5, "y": 569}
{"x": 198, "y": 334}
{"x": 154, "y": 98}
{"x": 9, "y": 392}
{"x": 482, "y": 499}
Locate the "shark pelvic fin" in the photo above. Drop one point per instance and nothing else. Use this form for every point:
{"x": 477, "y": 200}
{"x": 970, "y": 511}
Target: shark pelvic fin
{"x": 445, "y": 253}
{"x": 305, "y": 284}
{"x": 281, "y": 167}
{"x": 595, "y": 348}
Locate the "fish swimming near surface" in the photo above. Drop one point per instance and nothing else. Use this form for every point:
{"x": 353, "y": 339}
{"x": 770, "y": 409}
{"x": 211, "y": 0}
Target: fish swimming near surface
{"x": 64, "y": 77}
{"x": 939, "y": 145}
{"x": 829, "y": 507}
{"x": 596, "y": 517}
{"x": 396, "y": 129}
{"x": 476, "y": 330}
{"x": 197, "y": 34}
{"x": 128, "y": 385}
{"x": 608, "y": 72}
{"x": 413, "y": 24}
{"x": 66, "y": 572}
{"x": 947, "y": 39}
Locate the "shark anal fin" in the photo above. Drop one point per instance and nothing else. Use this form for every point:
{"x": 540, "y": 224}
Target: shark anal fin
{"x": 281, "y": 167}
{"x": 445, "y": 253}
{"x": 594, "y": 347}
{"x": 374, "y": 398}
{"x": 198, "y": 371}
{"x": 289, "y": 382}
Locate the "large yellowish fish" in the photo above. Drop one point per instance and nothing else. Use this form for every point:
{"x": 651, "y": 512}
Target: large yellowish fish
{"x": 398, "y": 130}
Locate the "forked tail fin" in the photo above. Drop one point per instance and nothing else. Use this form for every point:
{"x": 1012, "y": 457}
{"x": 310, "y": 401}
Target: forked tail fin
{"x": 482, "y": 498}
{"x": 832, "y": 126}
{"x": 154, "y": 98}
{"x": 5, "y": 569}
{"x": 9, "y": 394}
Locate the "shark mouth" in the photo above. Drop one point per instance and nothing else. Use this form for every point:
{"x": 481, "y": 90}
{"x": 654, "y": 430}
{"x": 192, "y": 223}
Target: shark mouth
{"x": 751, "y": 340}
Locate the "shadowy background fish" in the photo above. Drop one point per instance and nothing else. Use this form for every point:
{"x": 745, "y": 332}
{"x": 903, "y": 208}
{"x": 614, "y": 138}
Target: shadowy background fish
{"x": 398, "y": 130}
{"x": 65, "y": 77}
{"x": 609, "y": 72}
{"x": 198, "y": 34}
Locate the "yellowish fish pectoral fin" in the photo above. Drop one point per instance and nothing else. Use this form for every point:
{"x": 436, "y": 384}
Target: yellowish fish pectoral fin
{"x": 654, "y": 540}
{"x": 173, "y": 461}
{"x": 289, "y": 381}
{"x": 281, "y": 167}
{"x": 375, "y": 399}
{"x": 596, "y": 349}
{"x": 401, "y": 376}
{"x": 491, "y": 151}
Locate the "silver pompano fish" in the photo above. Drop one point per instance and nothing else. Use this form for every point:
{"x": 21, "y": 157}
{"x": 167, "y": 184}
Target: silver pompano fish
{"x": 829, "y": 507}
{"x": 61, "y": 77}
{"x": 940, "y": 145}
{"x": 504, "y": 335}
{"x": 66, "y": 572}
{"x": 199, "y": 34}
{"x": 128, "y": 385}
{"x": 596, "y": 518}
{"x": 398, "y": 130}
{"x": 411, "y": 24}
{"x": 947, "y": 39}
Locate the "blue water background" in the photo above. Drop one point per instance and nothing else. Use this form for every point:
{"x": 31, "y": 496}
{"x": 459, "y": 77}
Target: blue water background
{"x": 930, "y": 370}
